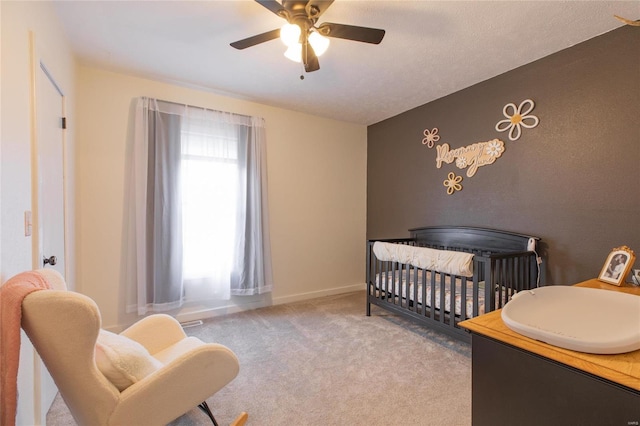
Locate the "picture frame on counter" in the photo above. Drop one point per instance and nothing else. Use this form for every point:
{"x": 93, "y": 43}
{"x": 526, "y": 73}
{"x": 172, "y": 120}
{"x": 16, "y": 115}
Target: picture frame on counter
{"x": 617, "y": 265}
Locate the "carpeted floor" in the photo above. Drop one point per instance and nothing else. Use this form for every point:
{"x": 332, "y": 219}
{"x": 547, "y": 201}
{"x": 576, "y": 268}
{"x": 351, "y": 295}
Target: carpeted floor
{"x": 324, "y": 362}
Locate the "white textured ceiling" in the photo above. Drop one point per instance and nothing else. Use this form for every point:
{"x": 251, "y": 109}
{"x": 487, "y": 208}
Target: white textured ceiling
{"x": 431, "y": 48}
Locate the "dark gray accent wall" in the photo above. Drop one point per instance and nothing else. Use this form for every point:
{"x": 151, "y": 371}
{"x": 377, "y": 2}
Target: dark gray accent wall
{"x": 573, "y": 180}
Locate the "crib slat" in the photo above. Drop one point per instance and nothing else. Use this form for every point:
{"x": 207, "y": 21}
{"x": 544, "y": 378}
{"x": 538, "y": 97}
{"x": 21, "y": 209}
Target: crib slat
{"x": 463, "y": 299}
{"x": 393, "y": 283}
{"x": 475, "y": 289}
{"x": 416, "y": 283}
{"x": 432, "y": 302}
{"x": 407, "y": 285}
{"x": 423, "y": 289}
{"x": 452, "y": 299}
{"x": 442, "y": 298}
{"x": 386, "y": 279}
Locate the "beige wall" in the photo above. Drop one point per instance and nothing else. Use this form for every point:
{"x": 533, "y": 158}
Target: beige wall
{"x": 17, "y": 254}
{"x": 317, "y": 178}
{"x": 317, "y": 172}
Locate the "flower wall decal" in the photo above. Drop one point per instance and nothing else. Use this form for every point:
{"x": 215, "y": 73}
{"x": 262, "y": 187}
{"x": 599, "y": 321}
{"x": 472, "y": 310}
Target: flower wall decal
{"x": 495, "y": 148}
{"x": 516, "y": 118}
{"x": 431, "y": 137}
{"x": 479, "y": 154}
{"x": 452, "y": 183}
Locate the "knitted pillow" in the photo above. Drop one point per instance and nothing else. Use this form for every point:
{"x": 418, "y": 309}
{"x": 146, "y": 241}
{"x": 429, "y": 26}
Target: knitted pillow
{"x": 123, "y": 361}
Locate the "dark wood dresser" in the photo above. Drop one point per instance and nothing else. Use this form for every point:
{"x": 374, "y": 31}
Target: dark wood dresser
{"x": 521, "y": 381}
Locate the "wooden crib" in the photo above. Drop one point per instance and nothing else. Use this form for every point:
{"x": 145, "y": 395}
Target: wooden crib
{"x": 500, "y": 263}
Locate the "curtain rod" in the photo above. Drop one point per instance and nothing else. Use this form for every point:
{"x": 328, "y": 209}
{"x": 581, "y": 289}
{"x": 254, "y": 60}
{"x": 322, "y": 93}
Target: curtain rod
{"x": 197, "y": 107}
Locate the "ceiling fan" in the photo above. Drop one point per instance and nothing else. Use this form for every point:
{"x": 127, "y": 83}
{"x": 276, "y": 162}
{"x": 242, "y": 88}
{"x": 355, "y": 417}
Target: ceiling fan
{"x": 307, "y": 41}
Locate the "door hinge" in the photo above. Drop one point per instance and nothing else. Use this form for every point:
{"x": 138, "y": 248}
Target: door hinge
{"x": 64, "y": 122}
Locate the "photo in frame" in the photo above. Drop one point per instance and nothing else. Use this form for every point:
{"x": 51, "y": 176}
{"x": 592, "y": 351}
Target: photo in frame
{"x": 617, "y": 265}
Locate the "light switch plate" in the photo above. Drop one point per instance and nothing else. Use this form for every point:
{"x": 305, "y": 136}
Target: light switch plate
{"x": 27, "y": 223}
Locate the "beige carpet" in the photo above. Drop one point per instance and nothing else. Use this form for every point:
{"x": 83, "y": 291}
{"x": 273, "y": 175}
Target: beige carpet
{"x": 324, "y": 362}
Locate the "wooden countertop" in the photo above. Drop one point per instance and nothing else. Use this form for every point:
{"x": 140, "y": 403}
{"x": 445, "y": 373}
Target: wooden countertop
{"x": 621, "y": 368}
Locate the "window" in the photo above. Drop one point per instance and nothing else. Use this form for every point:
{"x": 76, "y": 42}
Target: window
{"x": 198, "y": 206}
{"x": 209, "y": 179}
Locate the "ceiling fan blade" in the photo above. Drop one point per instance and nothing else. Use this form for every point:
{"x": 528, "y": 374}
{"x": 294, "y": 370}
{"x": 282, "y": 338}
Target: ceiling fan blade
{"x": 351, "y": 32}
{"x": 272, "y": 5}
{"x": 309, "y": 58}
{"x": 628, "y": 21}
{"x": 315, "y": 8}
{"x": 256, "y": 39}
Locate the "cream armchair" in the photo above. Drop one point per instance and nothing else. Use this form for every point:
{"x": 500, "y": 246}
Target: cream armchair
{"x": 181, "y": 373}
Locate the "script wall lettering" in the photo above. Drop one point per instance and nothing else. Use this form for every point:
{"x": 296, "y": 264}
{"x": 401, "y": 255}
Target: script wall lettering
{"x": 472, "y": 156}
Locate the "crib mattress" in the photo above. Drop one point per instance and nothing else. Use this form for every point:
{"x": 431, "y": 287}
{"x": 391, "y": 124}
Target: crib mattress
{"x": 384, "y": 281}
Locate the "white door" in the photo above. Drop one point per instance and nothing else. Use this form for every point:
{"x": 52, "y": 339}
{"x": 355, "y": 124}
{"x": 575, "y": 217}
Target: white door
{"x": 49, "y": 102}
{"x": 50, "y": 140}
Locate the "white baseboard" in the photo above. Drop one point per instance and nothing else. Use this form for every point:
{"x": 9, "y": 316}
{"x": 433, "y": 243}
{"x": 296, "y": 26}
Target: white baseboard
{"x": 315, "y": 294}
{"x": 199, "y": 314}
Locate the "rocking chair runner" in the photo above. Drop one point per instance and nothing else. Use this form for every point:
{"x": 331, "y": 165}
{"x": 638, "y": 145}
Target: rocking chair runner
{"x": 64, "y": 327}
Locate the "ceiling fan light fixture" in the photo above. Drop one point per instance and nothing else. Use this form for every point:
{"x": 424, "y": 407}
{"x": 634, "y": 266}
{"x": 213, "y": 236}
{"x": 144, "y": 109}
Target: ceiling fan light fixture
{"x": 290, "y": 34}
{"x": 294, "y": 52}
{"x": 304, "y": 40}
{"x": 319, "y": 43}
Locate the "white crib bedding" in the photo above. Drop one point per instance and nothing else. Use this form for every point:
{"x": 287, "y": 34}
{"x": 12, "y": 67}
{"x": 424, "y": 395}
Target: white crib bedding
{"x": 401, "y": 291}
{"x": 445, "y": 261}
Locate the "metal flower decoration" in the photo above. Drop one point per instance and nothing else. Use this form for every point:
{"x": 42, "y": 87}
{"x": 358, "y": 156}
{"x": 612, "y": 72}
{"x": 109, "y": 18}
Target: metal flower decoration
{"x": 453, "y": 183}
{"x": 517, "y": 117}
{"x": 431, "y": 137}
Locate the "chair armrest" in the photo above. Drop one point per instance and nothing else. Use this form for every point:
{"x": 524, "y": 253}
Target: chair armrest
{"x": 156, "y": 332}
{"x": 178, "y": 386}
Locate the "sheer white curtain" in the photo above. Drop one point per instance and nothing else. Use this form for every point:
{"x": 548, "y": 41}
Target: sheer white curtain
{"x": 200, "y": 205}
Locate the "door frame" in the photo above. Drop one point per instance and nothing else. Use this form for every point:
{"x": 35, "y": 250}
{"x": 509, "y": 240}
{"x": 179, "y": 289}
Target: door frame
{"x": 43, "y": 387}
